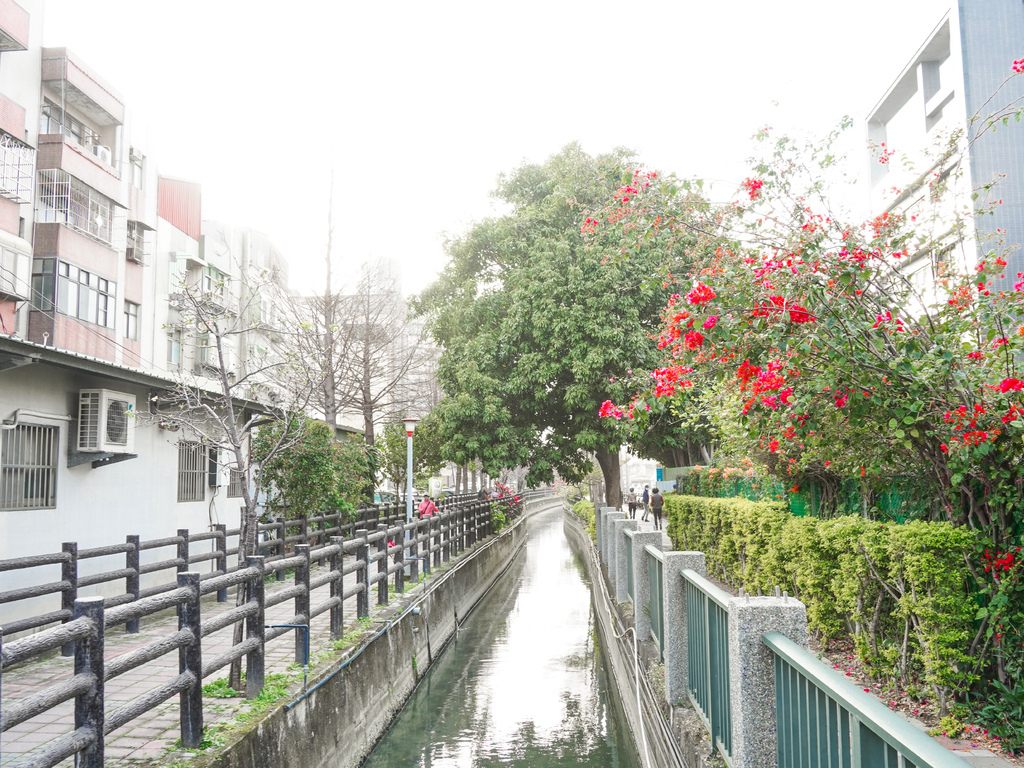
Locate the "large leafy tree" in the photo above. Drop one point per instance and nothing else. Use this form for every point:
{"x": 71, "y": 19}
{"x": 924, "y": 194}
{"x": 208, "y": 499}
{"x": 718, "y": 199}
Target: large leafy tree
{"x": 539, "y": 326}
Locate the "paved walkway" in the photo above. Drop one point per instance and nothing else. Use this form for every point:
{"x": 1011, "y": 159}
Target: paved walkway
{"x": 153, "y": 735}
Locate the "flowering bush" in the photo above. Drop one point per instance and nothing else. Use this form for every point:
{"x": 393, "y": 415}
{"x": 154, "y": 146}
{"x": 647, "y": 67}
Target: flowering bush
{"x": 827, "y": 354}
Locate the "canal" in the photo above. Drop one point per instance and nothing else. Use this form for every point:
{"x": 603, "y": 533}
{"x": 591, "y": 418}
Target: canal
{"x": 523, "y": 682}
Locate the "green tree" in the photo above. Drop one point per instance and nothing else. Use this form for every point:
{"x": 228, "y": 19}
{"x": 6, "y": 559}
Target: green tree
{"x": 315, "y": 473}
{"x": 426, "y": 455}
{"x": 539, "y": 325}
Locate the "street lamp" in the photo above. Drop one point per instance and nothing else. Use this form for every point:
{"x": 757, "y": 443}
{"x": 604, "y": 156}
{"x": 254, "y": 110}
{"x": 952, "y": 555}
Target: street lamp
{"x": 410, "y": 427}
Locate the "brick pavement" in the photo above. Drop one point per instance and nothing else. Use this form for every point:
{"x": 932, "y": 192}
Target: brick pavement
{"x": 153, "y": 735}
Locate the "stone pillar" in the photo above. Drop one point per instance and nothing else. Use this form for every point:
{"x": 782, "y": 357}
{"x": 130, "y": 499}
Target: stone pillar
{"x": 752, "y": 673}
{"x": 602, "y": 539}
{"x": 621, "y": 563}
{"x": 641, "y": 582}
{"x": 611, "y": 544}
{"x": 598, "y": 527}
{"x": 677, "y": 673}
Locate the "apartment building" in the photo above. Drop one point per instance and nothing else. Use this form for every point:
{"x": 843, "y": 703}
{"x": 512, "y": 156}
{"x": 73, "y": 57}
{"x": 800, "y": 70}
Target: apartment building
{"x": 97, "y": 253}
{"x": 915, "y": 147}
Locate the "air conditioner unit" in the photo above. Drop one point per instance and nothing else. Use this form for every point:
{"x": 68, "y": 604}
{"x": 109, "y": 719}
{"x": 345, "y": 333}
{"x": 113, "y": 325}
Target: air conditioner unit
{"x": 106, "y": 421}
{"x": 103, "y": 153}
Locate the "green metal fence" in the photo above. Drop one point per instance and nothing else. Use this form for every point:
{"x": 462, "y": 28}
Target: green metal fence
{"x": 903, "y": 498}
{"x": 656, "y": 605}
{"x": 707, "y": 635}
{"x": 825, "y": 721}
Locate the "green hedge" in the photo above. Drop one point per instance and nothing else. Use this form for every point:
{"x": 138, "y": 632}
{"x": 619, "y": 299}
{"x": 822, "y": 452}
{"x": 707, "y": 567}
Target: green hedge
{"x": 584, "y": 510}
{"x": 898, "y": 590}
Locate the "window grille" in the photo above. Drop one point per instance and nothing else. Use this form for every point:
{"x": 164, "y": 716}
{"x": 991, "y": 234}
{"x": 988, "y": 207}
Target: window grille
{"x": 235, "y": 484}
{"x": 17, "y": 165}
{"x": 136, "y": 247}
{"x": 63, "y": 199}
{"x": 28, "y": 467}
{"x": 191, "y": 471}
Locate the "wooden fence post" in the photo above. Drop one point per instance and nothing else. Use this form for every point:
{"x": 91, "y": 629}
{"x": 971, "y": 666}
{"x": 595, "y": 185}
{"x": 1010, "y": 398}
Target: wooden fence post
{"x": 89, "y": 661}
{"x": 363, "y": 574}
{"x": 190, "y": 660}
{"x": 254, "y": 629}
{"x": 302, "y": 602}
{"x": 382, "y": 565}
{"x": 131, "y": 585}
{"x": 338, "y": 589}
{"x": 222, "y": 557}
{"x": 68, "y": 596}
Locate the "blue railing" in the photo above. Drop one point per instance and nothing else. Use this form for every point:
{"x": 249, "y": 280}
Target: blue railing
{"x": 823, "y": 720}
{"x": 656, "y": 606}
{"x": 707, "y": 630}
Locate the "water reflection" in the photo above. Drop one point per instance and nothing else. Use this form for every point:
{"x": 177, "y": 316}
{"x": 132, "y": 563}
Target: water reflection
{"x": 523, "y": 683}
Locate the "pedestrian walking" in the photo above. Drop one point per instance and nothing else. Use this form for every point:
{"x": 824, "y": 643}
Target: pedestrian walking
{"x": 427, "y": 508}
{"x": 657, "y": 504}
{"x": 646, "y": 499}
{"x": 631, "y": 503}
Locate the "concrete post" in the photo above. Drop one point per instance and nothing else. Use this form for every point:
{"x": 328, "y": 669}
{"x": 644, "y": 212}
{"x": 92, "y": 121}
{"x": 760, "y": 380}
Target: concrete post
{"x": 611, "y": 544}
{"x": 677, "y": 673}
{"x": 599, "y": 513}
{"x": 752, "y": 673}
{"x": 641, "y": 583}
{"x": 621, "y": 563}
{"x": 606, "y": 537}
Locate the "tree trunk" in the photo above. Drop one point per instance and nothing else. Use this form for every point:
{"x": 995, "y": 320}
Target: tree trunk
{"x": 458, "y": 478}
{"x": 610, "y": 469}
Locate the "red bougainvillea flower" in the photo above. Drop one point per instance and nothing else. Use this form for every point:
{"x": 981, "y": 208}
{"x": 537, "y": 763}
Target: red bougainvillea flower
{"x": 753, "y": 187}
{"x": 693, "y": 339}
{"x": 797, "y": 313}
{"x": 1018, "y": 66}
{"x": 1011, "y": 384}
{"x": 700, "y": 294}
{"x": 710, "y": 323}
{"x": 608, "y": 408}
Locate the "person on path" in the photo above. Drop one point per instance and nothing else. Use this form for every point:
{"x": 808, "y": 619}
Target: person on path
{"x": 631, "y": 503}
{"x": 647, "y": 502}
{"x": 427, "y": 508}
{"x": 482, "y": 493}
{"x": 657, "y": 504}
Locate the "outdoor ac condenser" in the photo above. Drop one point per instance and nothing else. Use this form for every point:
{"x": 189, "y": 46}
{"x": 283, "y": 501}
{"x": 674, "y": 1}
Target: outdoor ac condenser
{"x": 106, "y": 421}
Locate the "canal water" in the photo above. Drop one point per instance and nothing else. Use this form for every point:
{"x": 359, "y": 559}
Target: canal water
{"x": 523, "y": 683}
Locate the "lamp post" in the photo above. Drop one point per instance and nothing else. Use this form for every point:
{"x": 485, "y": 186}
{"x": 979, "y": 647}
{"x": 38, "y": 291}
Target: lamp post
{"x": 410, "y": 427}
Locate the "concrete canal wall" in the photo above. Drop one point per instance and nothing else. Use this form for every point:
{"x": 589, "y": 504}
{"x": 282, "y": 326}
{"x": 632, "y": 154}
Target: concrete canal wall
{"x": 660, "y": 744}
{"x": 350, "y": 706}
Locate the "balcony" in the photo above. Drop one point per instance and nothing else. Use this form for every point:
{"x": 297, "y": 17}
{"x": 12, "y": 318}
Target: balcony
{"x": 58, "y": 153}
{"x": 64, "y": 74}
{"x": 17, "y": 167}
{"x": 13, "y": 26}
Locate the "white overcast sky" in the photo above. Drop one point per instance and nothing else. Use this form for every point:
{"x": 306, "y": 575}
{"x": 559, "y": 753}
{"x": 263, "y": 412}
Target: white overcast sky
{"x": 419, "y": 106}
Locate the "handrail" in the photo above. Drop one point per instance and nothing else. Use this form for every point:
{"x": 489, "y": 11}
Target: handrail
{"x": 870, "y": 725}
{"x": 720, "y": 596}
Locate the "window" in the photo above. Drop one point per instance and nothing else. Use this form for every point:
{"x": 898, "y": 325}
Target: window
{"x": 63, "y": 199}
{"x": 73, "y": 291}
{"x": 14, "y": 272}
{"x": 136, "y": 243}
{"x": 17, "y": 163}
{"x": 85, "y": 295}
{"x": 191, "y": 471}
{"x": 131, "y": 321}
{"x": 136, "y": 159}
{"x": 174, "y": 349}
{"x": 56, "y": 120}
{"x": 28, "y": 467}
{"x": 235, "y": 484}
